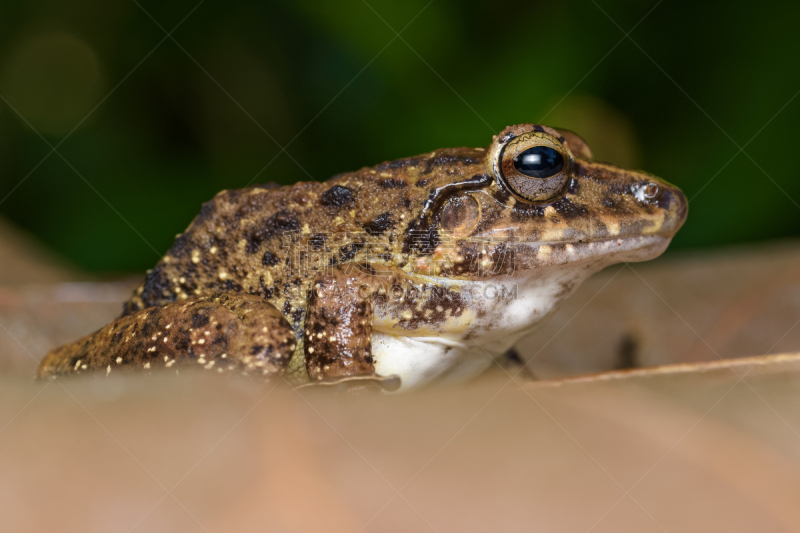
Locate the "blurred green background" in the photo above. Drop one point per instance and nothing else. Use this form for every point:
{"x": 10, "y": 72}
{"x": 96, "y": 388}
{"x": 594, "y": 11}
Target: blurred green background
{"x": 170, "y": 123}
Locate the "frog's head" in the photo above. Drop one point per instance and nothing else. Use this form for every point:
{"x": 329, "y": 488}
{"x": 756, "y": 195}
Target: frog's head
{"x": 542, "y": 198}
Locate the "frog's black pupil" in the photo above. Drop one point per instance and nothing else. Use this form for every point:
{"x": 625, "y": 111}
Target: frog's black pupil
{"x": 539, "y": 162}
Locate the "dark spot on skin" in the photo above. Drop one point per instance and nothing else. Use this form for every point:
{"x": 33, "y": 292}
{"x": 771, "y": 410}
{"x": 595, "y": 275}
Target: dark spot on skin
{"x": 256, "y": 349}
{"x": 281, "y": 222}
{"x": 346, "y": 253}
{"x": 406, "y": 202}
{"x": 379, "y": 224}
{"x": 199, "y": 320}
{"x": 317, "y": 241}
{"x": 393, "y": 183}
{"x": 206, "y": 211}
{"x": 266, "y": 292}
{"x": 420, "y": 239}
{"x": 538, "y": 128}
{"x": 569, "y": 209}
{"x": 336, "y": 196}
{"x": 297, "y": 316}
{"x": 157, "y": 287}
{"x": 220, "y": 340}
{"x": 562, "y": 140}
{"x": 269, "y": 259}
{"x": 287, "y": 307}
{"x": 231, "y": 285}
{"x": 423, "y": 182}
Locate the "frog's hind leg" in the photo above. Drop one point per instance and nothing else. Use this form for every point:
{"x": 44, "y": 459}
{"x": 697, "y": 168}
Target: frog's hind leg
{"x": 225, "y": 332}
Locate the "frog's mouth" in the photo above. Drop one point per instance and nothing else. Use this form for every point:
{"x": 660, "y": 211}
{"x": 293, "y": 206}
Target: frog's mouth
{"x": 634, "y": 248}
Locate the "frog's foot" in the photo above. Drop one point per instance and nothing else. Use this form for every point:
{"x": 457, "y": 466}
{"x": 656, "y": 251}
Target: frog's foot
{"x": 224, "y": 332}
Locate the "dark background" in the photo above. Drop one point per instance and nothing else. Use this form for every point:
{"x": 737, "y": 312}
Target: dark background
{"x": 171, "y": 122}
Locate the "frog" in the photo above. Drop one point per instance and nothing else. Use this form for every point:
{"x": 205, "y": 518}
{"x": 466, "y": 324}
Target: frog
{"x": 426, "y": 269}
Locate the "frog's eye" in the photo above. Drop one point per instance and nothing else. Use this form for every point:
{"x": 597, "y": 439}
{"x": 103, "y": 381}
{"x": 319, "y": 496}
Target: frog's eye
{"x": 535, "y": 166}
{"x": 539, "y": 162}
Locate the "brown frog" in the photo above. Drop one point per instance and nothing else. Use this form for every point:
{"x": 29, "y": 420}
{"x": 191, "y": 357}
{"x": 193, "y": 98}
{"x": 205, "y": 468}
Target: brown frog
{"x": 415, "y": 269}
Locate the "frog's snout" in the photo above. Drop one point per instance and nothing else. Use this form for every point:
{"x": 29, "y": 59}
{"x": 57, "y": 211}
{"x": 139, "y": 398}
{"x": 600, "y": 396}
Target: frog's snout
{"x": 669, "y": 198}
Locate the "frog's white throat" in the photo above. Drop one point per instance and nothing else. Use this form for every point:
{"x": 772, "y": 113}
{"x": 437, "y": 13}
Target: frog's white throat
{"x": 502, "y": 309}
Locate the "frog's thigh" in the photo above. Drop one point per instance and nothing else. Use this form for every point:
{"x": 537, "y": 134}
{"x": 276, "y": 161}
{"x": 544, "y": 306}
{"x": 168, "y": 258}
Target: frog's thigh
{"x": 224, "y": 332}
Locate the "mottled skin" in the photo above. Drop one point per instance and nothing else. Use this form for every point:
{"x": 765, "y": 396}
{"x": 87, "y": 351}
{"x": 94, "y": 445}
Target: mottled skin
{"x": 392, "y": 249}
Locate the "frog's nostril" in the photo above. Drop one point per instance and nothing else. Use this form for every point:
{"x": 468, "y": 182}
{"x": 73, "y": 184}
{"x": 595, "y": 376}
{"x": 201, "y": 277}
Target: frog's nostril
{"x": 650, "y": 191}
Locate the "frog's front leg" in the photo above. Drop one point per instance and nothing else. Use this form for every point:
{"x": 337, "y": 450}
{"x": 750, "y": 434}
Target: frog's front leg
{"x": 225, "y": 332}
{"x": 337, "y": 337}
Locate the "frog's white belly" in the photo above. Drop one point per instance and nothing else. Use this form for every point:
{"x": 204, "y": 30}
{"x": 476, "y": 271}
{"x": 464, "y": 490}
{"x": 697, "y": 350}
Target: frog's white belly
{"x": 503, "y": 310}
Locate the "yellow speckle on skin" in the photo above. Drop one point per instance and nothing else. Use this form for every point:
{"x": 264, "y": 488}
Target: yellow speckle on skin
{"x": 407, "y": 315}
{"x": 213, "y": 249}
{"x": 170, "y": 363}
{"x": 385, "y": 175}
{"x": 201, "y": 341}
{"x": 119, "y": 360}
{"x": 146, "y": 366}
{"x": 550, "y": 211}
{"x": 202, "y": 361}
{"x": 84, "y": 367}
{"x": 306, "y": 228}
{"x": 310, "y": 349}
{"x": 165, "y": 339}
{"x": 195, "y": 256}
{"x": 108, "y": 370}
{"x": 209, "y": 365}
{"x": 613, "y": 228}
{"x": 223, "y": 274}
{"x": 182, "y": 280}
{"x": 77, "y": 365}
